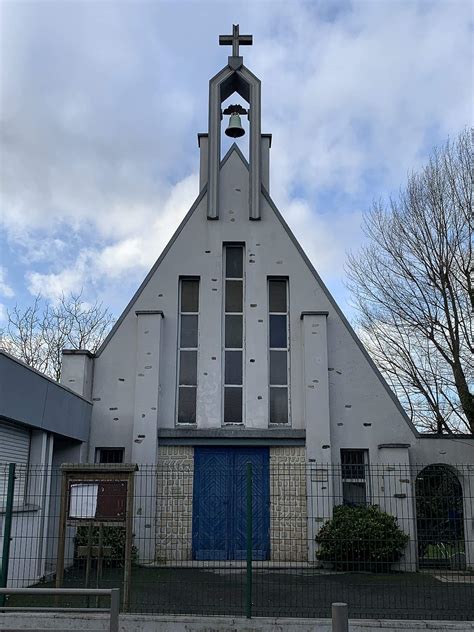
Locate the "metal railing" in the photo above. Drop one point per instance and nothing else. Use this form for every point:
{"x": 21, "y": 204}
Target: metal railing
{"x": 278, "y": 538}
{"x": 113, "y": 609}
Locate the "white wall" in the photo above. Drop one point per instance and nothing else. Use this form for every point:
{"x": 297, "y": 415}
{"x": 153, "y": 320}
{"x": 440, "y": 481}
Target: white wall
{"x": 356, "y": 395}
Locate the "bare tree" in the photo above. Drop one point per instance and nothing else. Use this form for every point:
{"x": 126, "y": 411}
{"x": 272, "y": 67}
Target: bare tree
{"x": 413, "y": 290}
{"x": 37, "y": 334}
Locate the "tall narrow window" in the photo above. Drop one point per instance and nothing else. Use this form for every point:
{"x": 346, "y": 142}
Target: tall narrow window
{"x": 233, "y": 333}
{"x": 187, "y": 354}
{"x": 354, "y": 473}
{"x": 278, "y": 341}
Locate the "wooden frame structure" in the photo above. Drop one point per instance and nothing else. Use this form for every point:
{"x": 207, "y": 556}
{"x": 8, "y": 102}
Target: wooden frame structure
{"x": 102, "y": 475}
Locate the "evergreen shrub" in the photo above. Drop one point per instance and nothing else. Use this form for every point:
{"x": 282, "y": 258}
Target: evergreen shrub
{"x": 361, "y": 539}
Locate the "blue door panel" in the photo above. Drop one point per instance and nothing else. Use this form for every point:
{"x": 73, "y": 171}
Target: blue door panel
{"x": 259, "y": 458}
{"x": 220, "y": 503}
{"x": 210, "y": 512}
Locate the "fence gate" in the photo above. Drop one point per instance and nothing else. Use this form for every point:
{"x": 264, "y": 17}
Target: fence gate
{"x": 219, "y": 503}
{"x": 439, "y": 510}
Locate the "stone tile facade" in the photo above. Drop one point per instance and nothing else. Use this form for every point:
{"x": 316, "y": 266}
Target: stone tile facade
{"x": 175, "y": 470}
{"x": 288, "y": 505}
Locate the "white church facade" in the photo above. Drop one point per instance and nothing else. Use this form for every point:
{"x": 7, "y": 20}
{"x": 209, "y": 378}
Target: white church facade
{"x": 232, "y": 351}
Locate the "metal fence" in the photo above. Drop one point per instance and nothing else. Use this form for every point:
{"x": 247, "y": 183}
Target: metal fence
{"x": 249, "y": 536}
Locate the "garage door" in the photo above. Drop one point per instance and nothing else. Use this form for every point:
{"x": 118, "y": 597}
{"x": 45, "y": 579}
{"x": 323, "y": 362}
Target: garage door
{"x": 14, "y": 448}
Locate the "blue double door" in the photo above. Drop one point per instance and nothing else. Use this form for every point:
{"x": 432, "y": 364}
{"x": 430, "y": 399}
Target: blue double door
{"x": 220, "y": 503}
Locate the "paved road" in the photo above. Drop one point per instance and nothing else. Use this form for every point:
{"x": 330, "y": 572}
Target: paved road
{"x": 292, "y": 593}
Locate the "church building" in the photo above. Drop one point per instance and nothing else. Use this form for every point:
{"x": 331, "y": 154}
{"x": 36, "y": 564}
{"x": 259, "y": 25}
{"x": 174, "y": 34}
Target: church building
{"x": 233, "y": 351}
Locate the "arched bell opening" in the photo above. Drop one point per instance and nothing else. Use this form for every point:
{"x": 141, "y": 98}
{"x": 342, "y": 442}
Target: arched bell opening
{"x": 439, "y": 518}
{"x": 235, "y": 126}
{"x": 234, "y": 83}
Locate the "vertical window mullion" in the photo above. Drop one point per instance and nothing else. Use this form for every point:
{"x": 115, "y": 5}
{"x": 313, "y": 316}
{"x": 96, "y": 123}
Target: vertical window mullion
{"x": 188, "y": 332}
{"x": 278, "y": 351}
{"x": 233, "y": 324}
{"x": 355, "y": 478}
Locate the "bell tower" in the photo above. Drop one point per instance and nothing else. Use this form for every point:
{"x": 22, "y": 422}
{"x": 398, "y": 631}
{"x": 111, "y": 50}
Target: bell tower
{"x": 234, "y": 77}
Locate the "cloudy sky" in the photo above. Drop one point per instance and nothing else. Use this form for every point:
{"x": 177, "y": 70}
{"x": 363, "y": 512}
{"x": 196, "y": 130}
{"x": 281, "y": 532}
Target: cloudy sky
{"x": 100, "y": 103}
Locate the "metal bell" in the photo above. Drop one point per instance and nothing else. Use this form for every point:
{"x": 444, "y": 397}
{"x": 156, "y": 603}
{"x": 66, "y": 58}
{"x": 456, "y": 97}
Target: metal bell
{"x": 235, "y": 129}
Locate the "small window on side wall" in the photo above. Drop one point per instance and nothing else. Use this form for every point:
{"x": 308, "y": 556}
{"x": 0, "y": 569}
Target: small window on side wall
{"x": 355, "y": 477}
{"x": 109, "y": 455}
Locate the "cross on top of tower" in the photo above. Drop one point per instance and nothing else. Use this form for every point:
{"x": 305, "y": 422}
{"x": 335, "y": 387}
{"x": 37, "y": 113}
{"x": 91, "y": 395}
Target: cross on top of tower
{"x": 235, "y": 40}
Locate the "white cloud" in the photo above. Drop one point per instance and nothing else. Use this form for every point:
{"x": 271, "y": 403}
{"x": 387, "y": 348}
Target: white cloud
{"x": 5, "y": 289}
{"x": 101, "y": 103}
{"x": 72, "y": 279}
{"x": 137, "y": 252}
{"x": 325, "y": 238}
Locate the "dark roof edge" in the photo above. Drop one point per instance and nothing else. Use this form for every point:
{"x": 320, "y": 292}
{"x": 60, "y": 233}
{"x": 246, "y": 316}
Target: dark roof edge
{"x": 229, "y": 433}
{"x": 323, "y": 313}
{"x": 99, "y": 467}
{"x": 86, "y": 352}
{"x": 453, "y": 437}
{"x": 339, "y": 312}
{"x": 149, "y": 312}
{"x": 145, "y": 281}
{"x": 394, "y": 445}
{"x": 44, "y": 376}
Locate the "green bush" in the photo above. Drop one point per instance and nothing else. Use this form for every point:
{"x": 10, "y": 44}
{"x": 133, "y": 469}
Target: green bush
{"x": 113, "y": 537}
{"x": 361, "y": 539}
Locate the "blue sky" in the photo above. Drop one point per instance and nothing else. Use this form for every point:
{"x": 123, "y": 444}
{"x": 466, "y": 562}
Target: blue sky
{"x": 100, "y": 104}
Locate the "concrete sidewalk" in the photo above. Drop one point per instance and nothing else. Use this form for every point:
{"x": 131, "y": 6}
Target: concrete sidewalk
{"x": 151, "y": 623}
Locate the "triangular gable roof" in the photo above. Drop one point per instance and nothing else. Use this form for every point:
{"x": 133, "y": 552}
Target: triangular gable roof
{"x": 337, "y": 309}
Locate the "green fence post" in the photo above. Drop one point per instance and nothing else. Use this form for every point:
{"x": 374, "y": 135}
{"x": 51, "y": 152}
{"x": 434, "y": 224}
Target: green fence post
{"x": 7, "y": 529}
{"x": 249, "y": 542}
